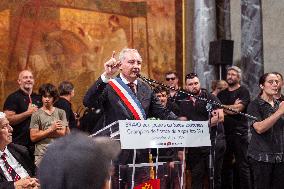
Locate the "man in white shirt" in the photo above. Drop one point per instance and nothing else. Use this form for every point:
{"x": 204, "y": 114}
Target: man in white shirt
{"x": 16, "y": 167}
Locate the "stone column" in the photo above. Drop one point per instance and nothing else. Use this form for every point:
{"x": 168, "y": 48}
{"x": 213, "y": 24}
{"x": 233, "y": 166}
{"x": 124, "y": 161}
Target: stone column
{"x": 204, "y": 31}
{"x": 223, "y": 19}
{"x": 251, "y": 44}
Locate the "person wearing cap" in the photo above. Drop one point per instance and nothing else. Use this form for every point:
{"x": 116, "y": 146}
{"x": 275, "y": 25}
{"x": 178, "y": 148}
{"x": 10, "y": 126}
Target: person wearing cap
{"x": 236, "y": 97}
{"x": 16, "y": 166}
{"x": 19, "y": 107}
{"x": 78, "y": 161}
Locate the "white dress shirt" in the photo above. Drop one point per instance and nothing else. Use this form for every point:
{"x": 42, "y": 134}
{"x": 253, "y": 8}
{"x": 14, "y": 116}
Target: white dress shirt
{"x": 124, "y": 80}
{"x": 14, "y": 164}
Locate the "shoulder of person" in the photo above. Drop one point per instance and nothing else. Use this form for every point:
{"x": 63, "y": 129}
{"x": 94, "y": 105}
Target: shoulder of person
{"x": 143, "y": 86}
{"x": 254, "y": 102}
{"x": 204, "y": 93}
{"x": 13, "y": 95}
{"x": 61, "y": 102}
{"x": 171, "y": 104}
{"x": 60, "y": 111}
{"x": 38, "y": 113}
{"x": 18, "y": 148}
{"x": 213, "y": 97}
{"x": 243, "y": 88}
{"x": 143, "y": 83}
{"x": 223, "y": 92}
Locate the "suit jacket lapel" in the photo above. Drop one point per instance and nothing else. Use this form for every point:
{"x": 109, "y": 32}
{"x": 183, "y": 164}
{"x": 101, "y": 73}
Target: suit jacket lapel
{"x": 140, "y": 91}
{"x": 2, "y": 173}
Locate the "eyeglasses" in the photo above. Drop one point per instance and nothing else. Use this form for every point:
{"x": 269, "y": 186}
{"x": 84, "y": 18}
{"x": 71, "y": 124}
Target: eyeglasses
{"x": 170, "y": 78}
{"x": 191, "y": 75}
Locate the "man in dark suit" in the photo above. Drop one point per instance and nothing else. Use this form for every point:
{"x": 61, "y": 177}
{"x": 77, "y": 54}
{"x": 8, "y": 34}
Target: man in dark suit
{"x": 16, "y": 159}
{"x": 125, "y": 97}
{"x": 102, "y": 93}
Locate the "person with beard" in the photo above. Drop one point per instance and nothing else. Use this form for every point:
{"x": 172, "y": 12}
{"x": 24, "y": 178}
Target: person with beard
{"x": 19, "y": 106}
{"x": 266, "y": 147}
{"x": 48, "y": 122}
{"x": 172, "y": 81}
{"x": 126, "y": 97}
{"x": 236, "y": 97}
{"x": 198, "y": 157}
{"x": 279, "y": 96}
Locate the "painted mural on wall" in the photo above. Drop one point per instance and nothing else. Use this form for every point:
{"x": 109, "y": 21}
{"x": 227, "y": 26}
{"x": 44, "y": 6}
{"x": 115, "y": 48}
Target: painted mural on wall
{"x": 70, "y": 40}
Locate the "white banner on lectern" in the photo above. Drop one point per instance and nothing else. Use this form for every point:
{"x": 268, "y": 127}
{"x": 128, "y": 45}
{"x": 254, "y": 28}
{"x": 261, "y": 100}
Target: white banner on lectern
{"x": 140, "y": 134}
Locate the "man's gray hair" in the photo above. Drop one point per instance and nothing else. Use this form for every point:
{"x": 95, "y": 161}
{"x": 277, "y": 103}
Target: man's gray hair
{"x": 237, "y": 69}
{"x": 124, "y": 51}
{"x": 65, "y": 88}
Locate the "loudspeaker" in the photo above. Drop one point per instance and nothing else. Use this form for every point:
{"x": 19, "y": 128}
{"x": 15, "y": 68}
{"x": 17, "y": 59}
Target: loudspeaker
{"x": 221, "y": 52}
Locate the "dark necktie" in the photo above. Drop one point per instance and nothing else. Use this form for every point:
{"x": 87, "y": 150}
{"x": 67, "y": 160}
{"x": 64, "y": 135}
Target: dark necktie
{"x": 10, "y": 170}
{"x": 132, "y": 87}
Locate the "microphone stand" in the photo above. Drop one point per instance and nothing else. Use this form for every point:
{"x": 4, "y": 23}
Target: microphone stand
{"x": 152, "y": 83}
{"x": 133, "y": 169}
{"x": 211, "y": 175}
{"x": 209, "y": 108}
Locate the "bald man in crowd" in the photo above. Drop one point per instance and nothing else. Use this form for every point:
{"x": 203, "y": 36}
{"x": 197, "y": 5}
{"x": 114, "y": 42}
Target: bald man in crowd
{"x": 19, "y": 106}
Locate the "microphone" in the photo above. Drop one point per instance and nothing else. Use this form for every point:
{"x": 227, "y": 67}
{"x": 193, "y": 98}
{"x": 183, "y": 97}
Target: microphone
{"x": 152, "y": 82}
{"x": 148, "y": 81}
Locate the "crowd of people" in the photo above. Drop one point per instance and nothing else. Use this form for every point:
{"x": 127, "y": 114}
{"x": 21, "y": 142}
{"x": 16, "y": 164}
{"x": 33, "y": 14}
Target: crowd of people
{"x": 41, "y": 147}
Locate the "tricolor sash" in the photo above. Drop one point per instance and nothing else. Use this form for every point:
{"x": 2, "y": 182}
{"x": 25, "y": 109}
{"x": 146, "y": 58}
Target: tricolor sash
{"x": 128, "y": 98}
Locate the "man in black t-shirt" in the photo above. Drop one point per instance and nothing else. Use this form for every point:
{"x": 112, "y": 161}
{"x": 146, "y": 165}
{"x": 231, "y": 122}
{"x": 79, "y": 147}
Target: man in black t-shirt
{"x": 198, "y": 157}
{"x": 66, "y": 92}
{"x": 236, "y": 97}
{"x": 172, "y": 80}
{"x": 19, "y": 106}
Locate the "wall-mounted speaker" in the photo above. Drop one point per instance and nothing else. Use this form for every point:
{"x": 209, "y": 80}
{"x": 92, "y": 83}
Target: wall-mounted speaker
{"x": 221, "y": 52}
